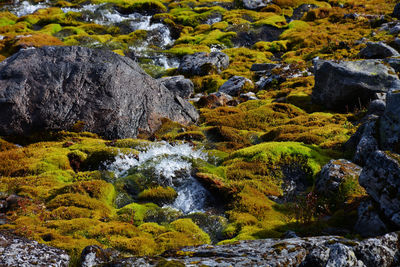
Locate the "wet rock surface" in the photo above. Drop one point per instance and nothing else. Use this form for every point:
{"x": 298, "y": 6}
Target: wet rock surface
{"x": 18, "y": 251}
{"x": 313, "y": 251}
{"x": 351, "y": 84}
{"x": 255, "y": 4}
{"x": 55, "y": 87}
{"x": 203, "y": 64}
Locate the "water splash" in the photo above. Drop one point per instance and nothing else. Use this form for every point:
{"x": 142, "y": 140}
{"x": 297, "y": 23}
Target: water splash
{"x": 171, "y": 166}
{"x": 22, "y": 8}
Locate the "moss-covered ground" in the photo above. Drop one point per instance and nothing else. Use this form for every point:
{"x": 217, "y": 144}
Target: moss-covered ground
{"x": 68, "y": 197}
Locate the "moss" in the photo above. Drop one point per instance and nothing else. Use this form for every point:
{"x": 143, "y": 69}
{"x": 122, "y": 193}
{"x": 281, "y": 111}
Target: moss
{"x": 139, "y": 246}
{"x": 272, "y": 20}
{"x": 80, "y": 201}
{"x": 136, "y": 213}
{"x": 185, "y": 49}
{"x": 191, "y": 136}
{"x": 153, "y": 228}
{"x": 159, "y": 195}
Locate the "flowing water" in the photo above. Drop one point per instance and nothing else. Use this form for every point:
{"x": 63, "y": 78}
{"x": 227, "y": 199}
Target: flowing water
{"x": 170, "y": 165}
{"x": 158, "y": 34}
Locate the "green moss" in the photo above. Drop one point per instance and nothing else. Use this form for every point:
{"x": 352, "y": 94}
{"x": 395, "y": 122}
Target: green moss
{"x": 159, "y": 195}
{"x": 272, "y": 20}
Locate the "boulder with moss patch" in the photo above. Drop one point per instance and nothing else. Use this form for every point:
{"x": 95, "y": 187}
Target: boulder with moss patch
{"x": 236, "y": 85}
{"x": 203, "y": 64}
{"x": 54, "y": 87}
{"x": 378, "y": 50}
{"x": 351, "y": 84}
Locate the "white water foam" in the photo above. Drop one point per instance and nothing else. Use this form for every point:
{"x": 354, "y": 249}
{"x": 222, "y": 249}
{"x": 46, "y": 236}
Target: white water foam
{"x": 172, "y": 167}
{"x": 22, "y": 8}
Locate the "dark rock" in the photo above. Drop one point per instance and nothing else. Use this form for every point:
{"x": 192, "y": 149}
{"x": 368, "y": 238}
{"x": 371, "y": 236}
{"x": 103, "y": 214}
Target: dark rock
{"x": 351, "y": 84}
{"x": 352, "y": 16}
{"x": 290, "y": 234}
{"x": 389, "y": 124}
{"x": 255, "y": 4}
{"x": 203, "y": 64}
{"x": 394, "y": 62}
{"x": 178, "y": 85}
{"x": 381, "y": 179}
{"x": 377, "y": 51}
{"x": 19, "y": 251}
{"x": 396, "y": 11}
{"x": 247, "y": 37}
{"x": 235, "y": 85}
{"x": 52, "y": 88}
{"x": 270, "y": 80}
{"x": 363, "y": 142}
{"x": 334, "y": 174}
{"x": 248, "y": 96}
{"x": 264, "y": 67}
{"x": 324, "y": 251}
{"x": 13, "y": 202}
{"x": 369, "y": 223}
{"x": 95, "y": 256}
{"x": 377, "y": 107}
{"x": 214, "y": 100}
{"x": 299, "y": 11}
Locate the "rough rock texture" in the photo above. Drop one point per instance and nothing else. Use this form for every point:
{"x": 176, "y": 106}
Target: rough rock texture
{"x": 378, "y": 50}
{"x": 363, "y": 142}
{"x": 55, "y": 87}
{"x": 349, "y": 84}
{"x": 314, "y": 251}
{"x": 396, "y": 11}
{"x": 333, "y": 174}
{"x": 235, "y": 85}
{"x": 369, "y": 222}
{"x": 178, "y": 85}
{"x": 18, "y": 251}
{"x": 95, "y": 255}
{"x": 381, "y": 179}
{"x": 389, "y": 125}
{"x": 394, "y": 62}
{"x": 255, "y": 4}
{"x": 203, "y": 64}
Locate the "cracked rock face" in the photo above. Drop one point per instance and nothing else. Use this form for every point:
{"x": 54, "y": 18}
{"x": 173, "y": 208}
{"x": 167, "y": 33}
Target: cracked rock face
{"x": 314, "y": 251}
{"x": 17, "y": 251}
{"x": 55, "y": 87}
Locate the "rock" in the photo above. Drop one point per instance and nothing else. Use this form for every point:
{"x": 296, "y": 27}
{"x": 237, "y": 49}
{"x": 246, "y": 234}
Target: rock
{"x": 321, "y": 251}
{"x": 178, "y": 85}
{"x": 334, "y": 174}
{"x": 248, "y": 96}
{"x": 396, "y": 11}
{"x": 369, "y": 223}
{"x": 235, "y": 85}
{"x": 52, "y": 88}
{"x": 255, "y": 4}
{"x": 290, "y": 234}
{"x": 377, "y": 107}
{"x": 19, "y": 251}
{"x": 214, "y": 100}
{"x": 389, "y": 124}
{"x": 351, "y": 84}
{"x": 299, "y": 11}
{"x": 363, "y": 142}
{"x": 248, "y": 36}
{"x": 394, "y": 62}
{"x": 378, "y": 50}
{"x": 201, "y": 64}
{"x": 94, "y": 256}
{"x": 264, "y": 67}
{"x": 381, "y": 179}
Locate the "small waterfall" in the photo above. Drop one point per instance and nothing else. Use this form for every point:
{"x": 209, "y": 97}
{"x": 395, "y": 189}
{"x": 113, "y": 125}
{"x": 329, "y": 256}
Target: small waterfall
{"x": 171, "y": 166}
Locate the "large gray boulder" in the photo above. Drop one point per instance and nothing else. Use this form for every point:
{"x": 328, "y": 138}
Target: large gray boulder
{"x": 381, "y": 179}
{"x": 201, "y": 63}
{"x": 369, "y": 222}
{"x": 331, "y": 251}
{"x": 389, "y": 124}
{"x": 377, "y": 50}
{"x": 53, "y": 88}
{"x": 19, "y": 251}
{"x": 179, "y": 85}
{"x": 347, "y": 85}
